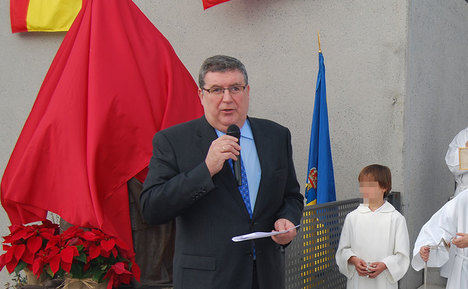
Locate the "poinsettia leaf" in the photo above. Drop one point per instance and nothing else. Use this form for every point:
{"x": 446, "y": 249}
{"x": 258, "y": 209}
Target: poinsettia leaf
{"x": 34, "y": 244}
{"x": 89, "y": 236}
{"x": 53, "y": 241}
{"x": 66, "y": 266}
{"x": 37, "y": 267}
{"x": 2, "y": 262}
{"x": 68, "y": 253}
{"x": 108, "y": 245}
{"x": 18, "y": 235}
{"x": 15, "y": 228}
{"x": 94, "y": 252}
{"x": 114, "y": 252}
{"x": 9, "y": 255}
{"x": 54, "y": 263}
{"x": 119, "y": 268}
{"x": 28, "y": 257}
{"x": 110, "y": 283}
{"x": 19, "y": 251}
{"x": 12, "y": 265}
{"x": 105, "y": 254}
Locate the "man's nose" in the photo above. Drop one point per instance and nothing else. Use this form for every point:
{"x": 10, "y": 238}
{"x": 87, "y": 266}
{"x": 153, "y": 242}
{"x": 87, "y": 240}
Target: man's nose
{"x": 227, "y": 97}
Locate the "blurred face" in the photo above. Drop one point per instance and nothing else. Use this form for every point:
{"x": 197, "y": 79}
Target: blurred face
{"x": 222, "y": 110}
{"x": 370, "y": 189}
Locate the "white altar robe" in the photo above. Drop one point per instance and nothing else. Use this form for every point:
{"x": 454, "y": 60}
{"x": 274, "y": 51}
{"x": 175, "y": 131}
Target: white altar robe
{"x": 380, "y": 236}
{"x": 452, "y": 218}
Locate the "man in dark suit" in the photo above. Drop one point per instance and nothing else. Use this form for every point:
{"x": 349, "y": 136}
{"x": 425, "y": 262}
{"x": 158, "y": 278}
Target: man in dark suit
{"x": 191, "y": 179}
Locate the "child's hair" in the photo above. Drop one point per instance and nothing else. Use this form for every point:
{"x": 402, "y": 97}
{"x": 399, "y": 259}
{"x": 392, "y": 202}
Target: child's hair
{"x": 380, "y": 174}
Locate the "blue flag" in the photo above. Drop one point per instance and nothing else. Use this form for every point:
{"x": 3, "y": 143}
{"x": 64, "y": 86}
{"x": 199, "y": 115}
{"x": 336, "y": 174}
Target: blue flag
{"x": 320, "y": 183}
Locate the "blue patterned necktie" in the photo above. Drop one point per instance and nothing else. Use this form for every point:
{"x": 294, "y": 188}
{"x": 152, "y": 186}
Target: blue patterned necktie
{"x": 244, "y": 188}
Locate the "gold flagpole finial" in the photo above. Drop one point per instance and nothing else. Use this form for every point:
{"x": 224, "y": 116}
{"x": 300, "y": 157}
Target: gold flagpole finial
{"x": 318, "y": 35}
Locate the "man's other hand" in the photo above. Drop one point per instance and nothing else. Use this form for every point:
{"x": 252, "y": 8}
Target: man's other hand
{"x": 283, "y": 225}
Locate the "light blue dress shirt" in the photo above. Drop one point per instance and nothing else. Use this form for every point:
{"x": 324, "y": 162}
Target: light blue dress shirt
{"x": 250, "y": 159}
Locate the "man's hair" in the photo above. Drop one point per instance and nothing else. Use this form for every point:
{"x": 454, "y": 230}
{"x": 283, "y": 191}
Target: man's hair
{"x": 380, "y": 174}
{"x": 220, "y": 63}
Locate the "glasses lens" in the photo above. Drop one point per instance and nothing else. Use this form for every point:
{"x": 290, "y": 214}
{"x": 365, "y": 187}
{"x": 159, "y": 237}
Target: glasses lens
{"x": 216, "y": 90}
{"x": 236, "y": 89}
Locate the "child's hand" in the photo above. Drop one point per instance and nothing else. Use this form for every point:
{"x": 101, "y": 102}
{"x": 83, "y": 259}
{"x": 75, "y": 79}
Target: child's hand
{"x": 424, "y": 252}
{"x": 376, "y": 268}
{"x": 361, "y": 265}
{"x": 461, "y": 241}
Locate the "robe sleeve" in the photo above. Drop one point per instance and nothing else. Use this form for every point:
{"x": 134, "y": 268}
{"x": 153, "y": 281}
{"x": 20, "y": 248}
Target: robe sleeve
{"x": 398, "y": 263}
{"x": 441, "y": 225}
{"x": 344, "y": 251}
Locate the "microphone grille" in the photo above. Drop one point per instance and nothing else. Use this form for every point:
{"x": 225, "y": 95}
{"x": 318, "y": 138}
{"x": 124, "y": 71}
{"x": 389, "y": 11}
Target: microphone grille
{"x": 233, "y": 130}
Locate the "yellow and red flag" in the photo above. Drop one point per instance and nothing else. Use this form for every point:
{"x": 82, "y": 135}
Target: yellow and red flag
{"x": 43, "y": 15}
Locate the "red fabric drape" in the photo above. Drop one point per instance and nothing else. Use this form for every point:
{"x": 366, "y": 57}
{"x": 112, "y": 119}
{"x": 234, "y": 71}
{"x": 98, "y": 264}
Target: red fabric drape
{"x": 114, "y": 83}
{"x": 209, "y": 3}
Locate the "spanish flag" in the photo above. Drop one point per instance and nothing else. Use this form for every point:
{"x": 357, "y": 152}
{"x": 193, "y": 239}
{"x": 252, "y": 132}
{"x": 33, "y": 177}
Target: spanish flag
{"x": 43, "y": 15}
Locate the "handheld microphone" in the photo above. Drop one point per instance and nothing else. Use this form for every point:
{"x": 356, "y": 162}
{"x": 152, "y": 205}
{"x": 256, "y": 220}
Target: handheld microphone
{"x": 233, "y": 130}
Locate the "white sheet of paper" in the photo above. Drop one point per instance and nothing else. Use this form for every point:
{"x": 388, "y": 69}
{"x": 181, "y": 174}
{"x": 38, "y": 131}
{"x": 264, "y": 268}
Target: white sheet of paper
{"x": 258, "y": 235}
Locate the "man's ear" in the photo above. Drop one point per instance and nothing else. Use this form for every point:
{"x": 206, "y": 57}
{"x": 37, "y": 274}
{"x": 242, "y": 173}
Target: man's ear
{"x": 200, "y": 94}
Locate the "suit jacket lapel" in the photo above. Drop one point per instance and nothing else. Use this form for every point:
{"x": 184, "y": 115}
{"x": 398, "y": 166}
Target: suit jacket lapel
{"x": 225, "y": 177}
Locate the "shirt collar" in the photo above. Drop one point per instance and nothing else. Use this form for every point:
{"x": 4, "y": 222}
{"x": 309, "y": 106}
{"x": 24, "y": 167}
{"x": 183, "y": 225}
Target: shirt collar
{"x": 246, "y": 131}
{"x": 385, "y": 208}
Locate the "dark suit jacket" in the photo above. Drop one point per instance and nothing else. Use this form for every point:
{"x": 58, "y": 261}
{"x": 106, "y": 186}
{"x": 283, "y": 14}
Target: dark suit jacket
{"x": 210, "y": 211}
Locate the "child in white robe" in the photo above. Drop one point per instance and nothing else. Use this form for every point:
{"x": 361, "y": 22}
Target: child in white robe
{"x": 450, "y": 223}
{"x": 374, "y": 245}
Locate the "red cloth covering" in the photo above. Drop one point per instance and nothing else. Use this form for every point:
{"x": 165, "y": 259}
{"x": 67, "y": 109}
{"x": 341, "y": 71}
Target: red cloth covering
{"x": 210, "y": 3}
{"x": 114, "y": 83}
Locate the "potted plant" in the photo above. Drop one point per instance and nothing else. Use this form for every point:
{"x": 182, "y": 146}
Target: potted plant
{"x": 24, "y": 245}
{"x": 83, "y": 258}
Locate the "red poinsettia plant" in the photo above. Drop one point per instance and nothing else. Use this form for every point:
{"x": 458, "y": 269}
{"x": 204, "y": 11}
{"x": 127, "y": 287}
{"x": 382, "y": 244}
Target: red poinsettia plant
{"x": 24, "y": 244}
{"x": 77, "y": 253}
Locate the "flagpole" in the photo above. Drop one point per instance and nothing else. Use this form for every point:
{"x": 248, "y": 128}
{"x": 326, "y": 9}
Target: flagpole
{"x": 318, "y": 36}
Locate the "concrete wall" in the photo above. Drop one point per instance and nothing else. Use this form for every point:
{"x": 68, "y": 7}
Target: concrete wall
{"x": 365, "y": 45}
{"x": 436, "y": 106}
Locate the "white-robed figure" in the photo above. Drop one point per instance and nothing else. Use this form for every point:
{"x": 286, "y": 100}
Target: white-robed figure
{"x": 461, "y": 178}
{"x": 373, "y": 251}
{"x": 449, "y": 224}
{"x": 453, "y": 161}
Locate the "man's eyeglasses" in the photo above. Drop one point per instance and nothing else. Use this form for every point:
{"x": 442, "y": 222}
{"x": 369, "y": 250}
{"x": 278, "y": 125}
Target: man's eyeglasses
{"x": 236, "y": 89}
